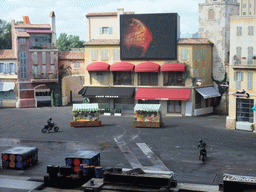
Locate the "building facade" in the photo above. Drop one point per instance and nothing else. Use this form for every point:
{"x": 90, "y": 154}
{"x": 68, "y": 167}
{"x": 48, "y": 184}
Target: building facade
{"x": 214, "y": 24}
{"x": 8, "y": 78}
{"x": 242, "y": 89}
{"x": 247, "y": 7}
{"x": 37, "y": 62}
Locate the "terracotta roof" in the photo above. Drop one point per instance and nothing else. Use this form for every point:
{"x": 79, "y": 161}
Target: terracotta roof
{"x": 106, "y": 14}
{"x": 7, "y": 54}
{"x": 103, "y": 42}
{"x": 22, "y": 34}
{"x": 71, "y": 54}
{"x": 40, "y": 26}
{"x": 194, "y": 41}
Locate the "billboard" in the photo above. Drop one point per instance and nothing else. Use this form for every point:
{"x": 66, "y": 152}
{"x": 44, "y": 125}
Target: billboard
{"x": 149, "y": 36}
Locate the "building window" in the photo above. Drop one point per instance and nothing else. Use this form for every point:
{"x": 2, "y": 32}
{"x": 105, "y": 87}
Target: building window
{"x": 22, "y": 41}
{"x": 76, "y": 65}
{"x": 238, "y": 55}
{"x": 23, "y": 72}
{"x": 173, "y": 106}
{"x": 184, "y": 54}
{"x": 106, "y": 30}
{"x": 116, "y": 54}
{"x": 104, "y": 54}
{"x": 12, "y": 68}
{"x": 238, "y": 77}
{"x": 2, "y": 68}
{"x": 203, "y": 75}
{"x": 203, "y": 54}
{"x": 44, "y": 69}
{"x": 148, "y": 79}
{"x": 52, "y": 57}
{"x": 173, "y": 78}
{"x": 244, "y": 110}
{"x": 122, "y": 78}
{"x": 100, "y": 76}
{"x": 52, "y": 69}
{"x": 197, "y": 73}
{"x": 239, "y": 31}
{"x": 244, "y": 5}
{"x": 250, "y": 55}
{"x": 197, "y": 54}
{"x": 211, "y": 14}
{"x": 35, "y": 71}
{"x": 244, "y": 13}
{"x": 44, "y": 57}
{"x": 34, "y": 57}
{"x": 94, "y": 55}
{"x": 23, "y": 58}
{"x": 250, "y": 81}
{"x": 250, "y": 30}
{"x": 8, "y": 68}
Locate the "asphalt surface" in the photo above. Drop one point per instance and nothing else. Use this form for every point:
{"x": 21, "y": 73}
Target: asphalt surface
{"x": 173, "y": 147}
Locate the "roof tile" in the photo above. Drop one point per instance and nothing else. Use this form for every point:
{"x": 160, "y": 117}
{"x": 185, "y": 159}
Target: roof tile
{"x": 71, "y": 54}
{"x": 22, "y": 34}
{"x": 194, "y": 41}
{"x": 7, "y": 54}
{"x": 103, "y": 42}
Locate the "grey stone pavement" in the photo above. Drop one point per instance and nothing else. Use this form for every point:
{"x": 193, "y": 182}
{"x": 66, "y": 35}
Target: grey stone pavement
{"x": 171, "y": 148}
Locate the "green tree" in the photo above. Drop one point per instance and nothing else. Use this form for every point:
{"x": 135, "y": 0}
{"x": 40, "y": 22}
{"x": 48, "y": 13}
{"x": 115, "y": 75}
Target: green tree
{"x": 65, "y": 42}
{"x": 5, "y": 35}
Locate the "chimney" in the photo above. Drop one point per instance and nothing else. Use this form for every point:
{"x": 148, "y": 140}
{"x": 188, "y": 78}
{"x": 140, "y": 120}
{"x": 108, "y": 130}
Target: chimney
{"x": 53, "y": 28}
{"x": 26, "y": 20}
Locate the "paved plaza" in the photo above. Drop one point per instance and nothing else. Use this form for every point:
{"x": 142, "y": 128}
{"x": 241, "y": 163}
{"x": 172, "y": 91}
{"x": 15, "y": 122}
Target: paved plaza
{"x": 171, "y": 148}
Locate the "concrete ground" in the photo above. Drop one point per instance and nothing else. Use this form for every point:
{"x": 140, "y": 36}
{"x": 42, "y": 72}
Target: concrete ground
{"x": 171, "y": 148}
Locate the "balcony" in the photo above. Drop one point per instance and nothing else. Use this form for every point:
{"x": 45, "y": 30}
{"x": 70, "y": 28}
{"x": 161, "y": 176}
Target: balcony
{"x": 43, "y": 46}
{"x": 243, "y": 63}
{"x": 44, "y": 78}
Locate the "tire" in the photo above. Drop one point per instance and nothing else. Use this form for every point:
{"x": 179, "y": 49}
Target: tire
{"x": 56, "y": 129}
{"x": 203, "y": 158}
{"x": 44, "y": 130}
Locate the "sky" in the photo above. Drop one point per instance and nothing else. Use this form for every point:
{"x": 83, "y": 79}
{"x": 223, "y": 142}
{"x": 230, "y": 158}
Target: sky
{"x": 70, "y": 14}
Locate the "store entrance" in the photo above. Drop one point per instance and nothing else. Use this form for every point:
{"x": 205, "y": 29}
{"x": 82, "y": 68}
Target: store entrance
{"x": 174, "y": 106}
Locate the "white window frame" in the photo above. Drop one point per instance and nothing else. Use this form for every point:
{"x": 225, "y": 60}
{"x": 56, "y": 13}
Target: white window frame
{"x": 23, "y": 57}
{"x": 23, "y": 72}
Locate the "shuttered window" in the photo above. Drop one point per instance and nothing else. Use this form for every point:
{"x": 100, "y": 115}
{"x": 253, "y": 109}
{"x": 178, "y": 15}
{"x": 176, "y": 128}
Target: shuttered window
{"x": 250, "y": 84}
{"x": 250, "y": 30}
{"x": 23, "y": 72}
{"x": 197, "y": 54}
{"x": 23, "y": 58}
{"x": 250, "y": 55}
{"x": 94, "y": 55}
{"x": 35, "y": 58}
{"x": 238, "y": 55}
{"x": 104, "y": 54}
{"x": 116, "y": 54}
{"x": 239, "y": 31}
{"x": 43, "y": 57}
{"x": 184, "y": 54}
{"x": 203, "y": 54}
{"x": 52, "y": 57}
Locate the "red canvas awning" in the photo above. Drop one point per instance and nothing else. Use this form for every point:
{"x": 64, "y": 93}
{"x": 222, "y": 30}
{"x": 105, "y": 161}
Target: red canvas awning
{"x": 147, "y": 67}
{"x": 98, "y": 66}
{"x": 38, "y": 31}
{"x": 122, "y": 66}
{"x": 162, "y": 94}
{"x": 173, "y": 67}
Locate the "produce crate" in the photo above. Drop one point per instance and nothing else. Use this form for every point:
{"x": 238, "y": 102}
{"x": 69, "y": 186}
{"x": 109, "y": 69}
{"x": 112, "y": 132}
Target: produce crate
{"x": 147, "y": 124}
{"x": 85, "y": 123}
{"x": 19, "y": 157}
{"x": 83, "y": 157}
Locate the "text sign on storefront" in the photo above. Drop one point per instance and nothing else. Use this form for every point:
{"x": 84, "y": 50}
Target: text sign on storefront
{"x": 241, "y": 95}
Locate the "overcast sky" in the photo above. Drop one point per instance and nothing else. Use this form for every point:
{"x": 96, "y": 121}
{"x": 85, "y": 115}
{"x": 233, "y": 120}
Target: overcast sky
{"x": 70, "y": 14}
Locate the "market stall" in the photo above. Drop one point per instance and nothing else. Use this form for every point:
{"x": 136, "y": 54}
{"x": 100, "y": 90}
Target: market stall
{"x": 147, "y": 115}
{"x": 85, "y": 115}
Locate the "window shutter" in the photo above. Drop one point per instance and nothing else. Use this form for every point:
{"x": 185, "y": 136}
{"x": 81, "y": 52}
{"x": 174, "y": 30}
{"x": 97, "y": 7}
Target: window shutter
{"x": 238, "y": 55}
{"x": 14, "y": 68}
{"x": 234, "y": 76}
{"x": 249, "y": 85}
{"x": 4, "y": 68}
{"x": 110, "y": 30}
{"x": 238, "y": 84}
{"x": 100, "y": 30}
{"x": 52, "y": 57}
{"x": 43, "y": 57}
{"x": 186, "y": 54}
{"x": 250, "y": 55}
{"x": 242, "y": 74}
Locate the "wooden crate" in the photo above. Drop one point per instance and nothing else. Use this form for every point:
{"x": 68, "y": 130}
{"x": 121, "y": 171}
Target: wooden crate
{"x": 85, "y": 123}
{"x": 147, "y": 124}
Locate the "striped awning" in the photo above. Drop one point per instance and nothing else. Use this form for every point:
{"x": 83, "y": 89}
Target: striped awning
{"x": 86, "y": 107}
{"x": 147, "y": 107}
{"x": 7, "y": 86}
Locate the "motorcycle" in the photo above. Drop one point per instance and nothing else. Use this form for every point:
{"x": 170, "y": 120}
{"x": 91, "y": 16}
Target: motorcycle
{"x": 202, "y": 155}
{"x": 48, "y": 128}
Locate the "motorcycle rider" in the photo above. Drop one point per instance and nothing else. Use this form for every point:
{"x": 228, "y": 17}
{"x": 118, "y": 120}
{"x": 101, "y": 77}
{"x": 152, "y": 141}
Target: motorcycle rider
{"x": 202, "y": 147}
{"x": 50, "y": 123}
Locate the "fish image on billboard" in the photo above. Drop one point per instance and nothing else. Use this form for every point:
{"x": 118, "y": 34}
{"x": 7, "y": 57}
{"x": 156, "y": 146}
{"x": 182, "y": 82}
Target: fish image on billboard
{"x": 137, "y": 35}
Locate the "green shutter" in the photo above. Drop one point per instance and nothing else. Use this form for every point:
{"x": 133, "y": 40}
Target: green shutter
{"x": 249, "y": 85}
{"x": 234, "y": 76}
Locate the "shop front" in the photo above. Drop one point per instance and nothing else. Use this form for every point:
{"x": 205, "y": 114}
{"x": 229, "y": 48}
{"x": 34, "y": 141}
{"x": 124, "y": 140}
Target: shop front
{"x": 7, "y": 94}
{"x": 173, "y": 100}
{"x": 111, "y": 97}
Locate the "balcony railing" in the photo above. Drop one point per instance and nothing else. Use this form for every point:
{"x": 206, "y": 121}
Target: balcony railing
{"x": 243, "y": 63}
{"x": 44, "y": 77}
{"x": 44, "y": 46}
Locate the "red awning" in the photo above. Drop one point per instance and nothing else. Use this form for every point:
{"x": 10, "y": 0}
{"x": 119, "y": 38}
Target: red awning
{"x": 162, "y": 94}
{"x": 147, "y": 67}
{"x": 173, "y": 67}
{"x": 98, "y": 66}
{"x": 122, "y": 66}
{"x": 38, "y": 31}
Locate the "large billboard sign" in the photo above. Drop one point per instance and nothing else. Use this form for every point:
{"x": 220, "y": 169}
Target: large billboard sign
{"x": 149, "y": 36}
